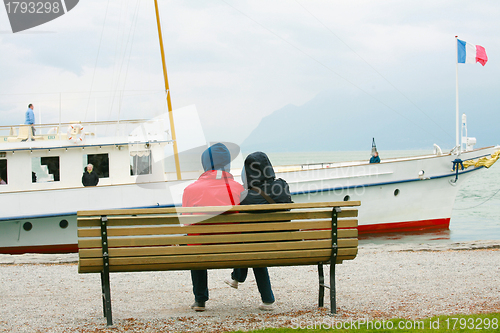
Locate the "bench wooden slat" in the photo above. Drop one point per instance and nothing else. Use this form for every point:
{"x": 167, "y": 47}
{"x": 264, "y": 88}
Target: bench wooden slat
{"x": 204, "y": 239}
{"x": 95, "y": 221}
{"x": 215, "y": 209}
{"x": 254, "y": 259}
{"x": 223, "y": 218}
{"x": 226, "y": 228}
{"x": 197, "y": 229}
{"x": 213, "y": 265}
{"x": 207, "y": 239}
{"x": 223, "y": 248}
{"x": 192, "y": 258}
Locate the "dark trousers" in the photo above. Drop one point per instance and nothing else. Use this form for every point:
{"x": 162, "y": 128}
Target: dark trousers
{"x": 262, "y": 279}
{"x": 200, "y": 285}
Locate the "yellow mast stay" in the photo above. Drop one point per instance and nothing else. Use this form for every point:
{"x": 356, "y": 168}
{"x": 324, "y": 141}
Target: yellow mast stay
{"x": 167, "y": 90}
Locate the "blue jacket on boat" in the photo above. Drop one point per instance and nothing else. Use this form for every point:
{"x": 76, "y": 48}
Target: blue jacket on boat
{"x": 30, "y": 117}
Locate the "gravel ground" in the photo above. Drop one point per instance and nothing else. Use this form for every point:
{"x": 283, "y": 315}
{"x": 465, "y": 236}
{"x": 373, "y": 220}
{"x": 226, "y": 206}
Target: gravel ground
{"x": 45, "y": 293}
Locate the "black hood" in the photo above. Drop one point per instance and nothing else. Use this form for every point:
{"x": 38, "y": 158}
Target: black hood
{"x": 257, "y": 170}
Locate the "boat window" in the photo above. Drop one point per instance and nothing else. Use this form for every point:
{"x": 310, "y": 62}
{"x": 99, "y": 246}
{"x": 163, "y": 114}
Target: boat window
{"x": 3, "y": 172}
{"x": 100, "y": 163}
{"x": 45, "y": 169}
{"x": 140, "y": 162}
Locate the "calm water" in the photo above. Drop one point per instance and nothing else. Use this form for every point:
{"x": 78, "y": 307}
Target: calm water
{"x": 477, "y": 204}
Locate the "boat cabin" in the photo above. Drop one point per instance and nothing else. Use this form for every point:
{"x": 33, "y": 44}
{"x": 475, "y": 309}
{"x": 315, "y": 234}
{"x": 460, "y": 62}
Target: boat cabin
{"x": 56, "y": 156}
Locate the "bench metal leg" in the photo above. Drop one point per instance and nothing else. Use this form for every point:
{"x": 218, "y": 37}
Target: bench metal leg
{"x": 322, "y": 286}
{"x": 333, "y": 294}
{"x": 106, "y": 289}
{"x": 333, "y": 259}
{"x": 106, "y": 297}
{"x": 321, "y": 299}
{"x": 103, "y": 297}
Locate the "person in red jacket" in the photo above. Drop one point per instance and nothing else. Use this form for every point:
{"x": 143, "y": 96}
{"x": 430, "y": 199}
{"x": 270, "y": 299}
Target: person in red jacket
{"x": 215, "y": 187}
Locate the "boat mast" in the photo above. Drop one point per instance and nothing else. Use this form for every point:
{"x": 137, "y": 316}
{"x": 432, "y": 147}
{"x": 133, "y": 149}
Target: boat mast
{"x": 169, "y": 102}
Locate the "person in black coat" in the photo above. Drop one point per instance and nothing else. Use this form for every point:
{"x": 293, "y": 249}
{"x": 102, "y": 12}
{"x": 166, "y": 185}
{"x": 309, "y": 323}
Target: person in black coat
{"x": 262, "y": 187}
{"x": 89, "y": 177}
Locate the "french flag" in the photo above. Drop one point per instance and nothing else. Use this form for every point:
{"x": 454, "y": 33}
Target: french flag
{"x": 470, "y": 54}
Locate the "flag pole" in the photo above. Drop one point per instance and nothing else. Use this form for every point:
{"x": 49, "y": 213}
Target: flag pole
{"x": 457, "y": 141}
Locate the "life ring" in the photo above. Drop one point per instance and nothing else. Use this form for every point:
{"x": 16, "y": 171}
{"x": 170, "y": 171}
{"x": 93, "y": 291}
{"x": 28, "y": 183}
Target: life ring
{"x": 76, "y": 133}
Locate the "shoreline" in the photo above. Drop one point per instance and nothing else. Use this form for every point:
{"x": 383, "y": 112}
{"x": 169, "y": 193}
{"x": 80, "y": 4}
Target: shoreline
{"x": 67, "y": 258}
{"x": 45, "y": 293}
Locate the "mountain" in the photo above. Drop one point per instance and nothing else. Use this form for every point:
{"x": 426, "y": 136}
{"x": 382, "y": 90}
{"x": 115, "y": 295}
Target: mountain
{"x": 346, "y": 120}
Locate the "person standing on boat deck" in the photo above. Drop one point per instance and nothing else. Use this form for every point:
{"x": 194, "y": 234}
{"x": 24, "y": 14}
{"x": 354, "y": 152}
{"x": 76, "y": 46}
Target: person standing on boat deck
{"x": 89, "y": 177}
{"x": 30, "y": 118}
{"x": 215, "y": 187}
{"x": 262, "y": 188}
{"x": 375, "y": 158}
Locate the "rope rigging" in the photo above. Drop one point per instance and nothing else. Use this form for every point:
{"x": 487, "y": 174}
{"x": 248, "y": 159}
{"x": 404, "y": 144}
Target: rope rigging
{"x": 414, "y": 123}
{"x": 376, "y": 71}
{"x": 491, "y": 197}
{"x": 97, "y": 58}
{"x": 130, "y": 38}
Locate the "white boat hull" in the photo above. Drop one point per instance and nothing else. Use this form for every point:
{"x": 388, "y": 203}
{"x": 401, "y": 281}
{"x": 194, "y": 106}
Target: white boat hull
{"x": 33, "y": 232}
{"x": 394, "y": 195}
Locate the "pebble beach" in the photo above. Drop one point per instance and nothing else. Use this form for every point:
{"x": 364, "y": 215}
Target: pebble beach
{"x": 45, "y": 293}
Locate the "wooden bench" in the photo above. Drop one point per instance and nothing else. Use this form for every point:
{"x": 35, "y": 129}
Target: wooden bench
{"x": 162, "y": 239}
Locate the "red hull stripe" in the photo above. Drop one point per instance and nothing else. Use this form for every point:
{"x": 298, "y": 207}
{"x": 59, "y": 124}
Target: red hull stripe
{"x": 61, "y": 248}
{"x": 362, "y": 229}
{"x": 404, "y": 226}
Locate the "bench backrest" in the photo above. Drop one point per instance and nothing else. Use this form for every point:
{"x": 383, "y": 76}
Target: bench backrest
{"x": 217, "y": 237}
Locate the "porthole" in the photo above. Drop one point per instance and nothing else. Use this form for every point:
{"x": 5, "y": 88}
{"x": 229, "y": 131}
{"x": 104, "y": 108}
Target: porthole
{"x": 396, "y": 192}
{"x": 63, "y": 224}
{"x": 347, "y": 198}
{"x": 27, "y": 226}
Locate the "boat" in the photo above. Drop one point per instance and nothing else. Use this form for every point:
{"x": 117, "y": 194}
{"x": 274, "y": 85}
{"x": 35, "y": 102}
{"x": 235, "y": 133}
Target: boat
{"x": 43, "y": 178}
{"x": 43, "y": 188}
{"x": 398, "y": 194}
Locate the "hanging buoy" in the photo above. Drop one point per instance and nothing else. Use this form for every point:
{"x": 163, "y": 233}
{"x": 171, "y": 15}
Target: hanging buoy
{"x": 76, "y": 134}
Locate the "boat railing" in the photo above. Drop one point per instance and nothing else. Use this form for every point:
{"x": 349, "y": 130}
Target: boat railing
{"x": 78, "y": 130}
{"x": 316, "y": 166}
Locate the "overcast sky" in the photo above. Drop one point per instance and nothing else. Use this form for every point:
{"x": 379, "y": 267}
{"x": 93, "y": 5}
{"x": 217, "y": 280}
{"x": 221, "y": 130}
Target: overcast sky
{"x": 238, "y": 61}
